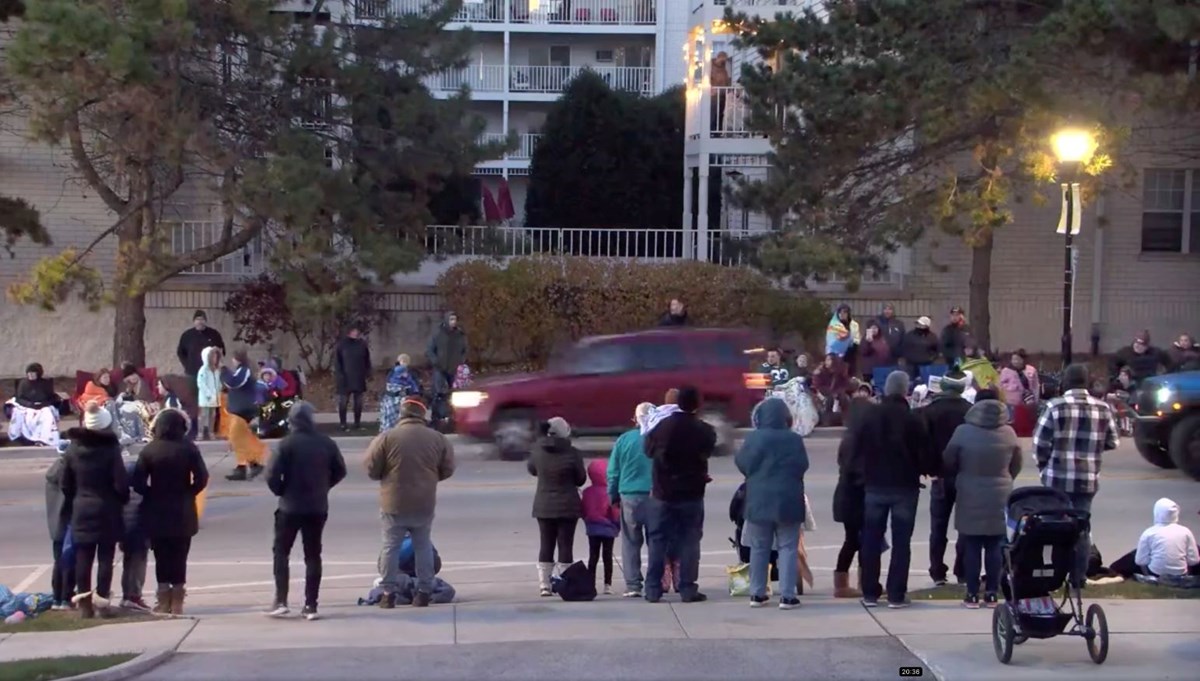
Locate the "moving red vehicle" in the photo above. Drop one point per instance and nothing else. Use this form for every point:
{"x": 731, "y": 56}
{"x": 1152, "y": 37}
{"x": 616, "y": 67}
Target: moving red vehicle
{"x": 596, "y": 384}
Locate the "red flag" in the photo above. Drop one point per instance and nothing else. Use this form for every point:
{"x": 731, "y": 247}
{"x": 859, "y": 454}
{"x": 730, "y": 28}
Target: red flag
{"x": 491, "y": 212}
{"x": 507, "y": 211}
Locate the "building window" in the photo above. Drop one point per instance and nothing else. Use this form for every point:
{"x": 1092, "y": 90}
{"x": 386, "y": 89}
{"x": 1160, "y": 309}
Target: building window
{"x": 1171, "y": 211}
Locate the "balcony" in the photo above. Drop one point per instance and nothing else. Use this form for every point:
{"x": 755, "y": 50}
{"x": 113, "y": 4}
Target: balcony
{"x": 190, "y": 235}
{"x": 526, "y": 12}
{"x": 477, "y": 77}
{"x": 554, "y": 79}
{"x": 526, "y": 144}
{"x": 728, "y": 114}
{"x": 471, "y": 12}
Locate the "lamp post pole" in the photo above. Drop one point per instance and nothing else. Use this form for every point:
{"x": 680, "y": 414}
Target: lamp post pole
{"x": 1068, "y": 277}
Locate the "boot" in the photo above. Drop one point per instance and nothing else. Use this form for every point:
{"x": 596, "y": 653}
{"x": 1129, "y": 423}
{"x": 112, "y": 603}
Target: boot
{"x": 255, "y": 470}
{"x": 238, "y": 474}
{"x": 86, "y": 610}
{"x": 544, "y": 572}
{"x": 841, "y": 586}
{"x": 177, "y": 593}
{"x": 162, "y": 604}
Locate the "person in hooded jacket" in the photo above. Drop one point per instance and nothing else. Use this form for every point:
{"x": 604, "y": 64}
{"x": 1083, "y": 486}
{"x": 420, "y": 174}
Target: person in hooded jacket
{"x": 601, "y": 520}
{"x": 307, "y": 466}
{"x": 942, "y": 417}
{"x": 35, "y": 409}
{"x": 774, "y": 461}
{"x": 984, "y": 457}
{"x": 95, "y": 490}
{"x": 919, "y": 348}
{"x": 1167, "y": 549}
{"x": 446, "y": 352}
{"x": 208, "y": 391}
{"x": 169, "y": 474}
{"x": 559, "y": 470}
{"x": 842, "y": 337}
{"x": 62, "y": 579}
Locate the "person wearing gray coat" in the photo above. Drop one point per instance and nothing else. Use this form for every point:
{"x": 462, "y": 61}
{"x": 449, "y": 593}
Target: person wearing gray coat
{"x": 62, "y": 580}
{"x": 985, "y": 456}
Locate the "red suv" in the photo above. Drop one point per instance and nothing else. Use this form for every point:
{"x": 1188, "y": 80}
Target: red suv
{"x": 596, "y": 384}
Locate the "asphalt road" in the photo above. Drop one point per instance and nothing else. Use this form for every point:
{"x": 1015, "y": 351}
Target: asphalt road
{"x": 488, "y": 543}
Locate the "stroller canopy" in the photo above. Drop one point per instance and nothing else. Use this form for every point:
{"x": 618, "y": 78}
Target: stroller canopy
{"x": 1028, "y": 500}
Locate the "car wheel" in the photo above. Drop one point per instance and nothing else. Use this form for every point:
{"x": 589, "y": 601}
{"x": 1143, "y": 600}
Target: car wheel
{"x": 513, "y": 433}
{"x": 725, "y": 432}
{"x": 1150, "y": 450}
{"x": 1185, "y": 445}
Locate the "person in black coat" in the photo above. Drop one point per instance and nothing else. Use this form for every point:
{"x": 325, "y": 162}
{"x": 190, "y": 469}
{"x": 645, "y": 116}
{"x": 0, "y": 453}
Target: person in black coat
{"x": 169, "y": 473}
{"x": 919, "y": 348}
{"x": 351, "y": 370}
{"x": 557, "y": 507}
{"x": 676, "y": 314}
{"x": 193, "y": 341}
{"x": 848, "y": 499}
{"x": 95, "y": 490}
{"x": 942, "y": 417}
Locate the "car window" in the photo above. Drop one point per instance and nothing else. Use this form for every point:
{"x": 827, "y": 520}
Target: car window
{"x": 726, "y": 352}
{"x": 599, "y": 359}
{"x": 659, "y": 355}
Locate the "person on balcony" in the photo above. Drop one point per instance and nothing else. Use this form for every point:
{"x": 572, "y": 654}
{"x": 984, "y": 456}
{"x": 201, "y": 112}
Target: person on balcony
{"x": 719, "y": 76}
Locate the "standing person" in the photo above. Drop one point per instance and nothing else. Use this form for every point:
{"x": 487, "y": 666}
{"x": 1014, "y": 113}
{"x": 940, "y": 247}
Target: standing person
{"x": 58, "y": 518}
{"x": 920, "y": 348}
{"x": 400, "y": 384}
{"x": 306, "y": 467}
{"x": 848, "y": 501}
{"x": 891, "y": 329}
{"x": 891, "y": 448}
{"x": 208, "y": 388}
{"x": 774, "y": 461}
{"x": 942, "y": 417}
{"x": 447, "y": 351}
{"x": 408, "y": 461}
{"x": 679, "y": 446}
{"x": 135, "y": 549}
{"x": 601, "y": 521}
{"x": 956, "y": 336}
{"x": 1144, "y": 360}
{"x": 559, "y": 470}
{"x": 95, "y": 490}
{"x": 351, "y": 371}
{"x": 876, "y": 351}
{"x": 1183, "y": 354}
{"x": 1071, "y": 435}
{"x": 170, "y": 474}
{"x": 629, "y": 482}
{"x": 842, "y": 337}
{"x": 190, "y": 351}
{"x": 243, "y": 409}
{"x": 676, "y": 314}
{"x": 984, "y": 457}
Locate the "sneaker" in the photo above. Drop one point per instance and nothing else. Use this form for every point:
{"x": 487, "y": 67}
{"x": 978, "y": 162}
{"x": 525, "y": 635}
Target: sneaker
{"x": 388, "y": 602}
{"x": 134, "y": 603}
{"x": 789, "y": 603}
{"x": 633, "y": 593}
{"x": 971, "y": 602}
{"x": 310, "y": 613}
{"x": 421, "y": 599}
{"x": 939, "y": 581}
{"x": 278, "y": 610}
{"x": 695, "y": 598}
{"x": 100, "y": 602}
{"x": 608, "y": 589}
{"x": 758, "y": 601}
{"x": 897, "y": 605}
{"x": 990, "y": 600}
{"x": 344, "y": 428}
{"x": 255, "y": 471}
{"x": 60, "y": 605}
{"x": 870, "y": 602}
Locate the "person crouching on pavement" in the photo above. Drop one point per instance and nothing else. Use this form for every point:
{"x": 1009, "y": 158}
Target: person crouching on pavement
{"x": 306, "y": 467}
{"x": 170, "y": 474}
{"x": 408, "y": 461}
{"x": 559, "y": 470}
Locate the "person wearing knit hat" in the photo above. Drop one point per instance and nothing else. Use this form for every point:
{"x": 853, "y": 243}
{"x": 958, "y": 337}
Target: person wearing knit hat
{"x": 942, "y": 417}
{"x": 97, "y": 418}
{"x": 557, "y": 507}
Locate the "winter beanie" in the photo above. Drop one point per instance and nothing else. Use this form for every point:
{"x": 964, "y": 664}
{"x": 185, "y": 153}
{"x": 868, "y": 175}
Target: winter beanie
{"x": 896, "y": 384}
{"x": 97, "y": 418}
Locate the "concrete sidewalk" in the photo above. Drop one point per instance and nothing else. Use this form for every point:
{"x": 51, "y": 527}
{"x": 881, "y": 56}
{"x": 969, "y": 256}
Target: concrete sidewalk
{"x": 1149, "y": 640}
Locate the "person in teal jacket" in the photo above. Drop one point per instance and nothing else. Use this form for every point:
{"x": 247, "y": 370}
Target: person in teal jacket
{"x": 629, "y": 480}
{"x": 774, "y": 461}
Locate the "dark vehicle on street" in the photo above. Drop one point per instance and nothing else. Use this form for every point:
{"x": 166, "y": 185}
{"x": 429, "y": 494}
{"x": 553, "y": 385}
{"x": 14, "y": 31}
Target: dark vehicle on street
{"x": 1167, "y": 431}
{"x": 596, "y": 383}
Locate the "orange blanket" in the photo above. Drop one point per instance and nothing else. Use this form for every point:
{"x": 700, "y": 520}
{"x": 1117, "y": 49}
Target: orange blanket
{"x": 93, "y": 393}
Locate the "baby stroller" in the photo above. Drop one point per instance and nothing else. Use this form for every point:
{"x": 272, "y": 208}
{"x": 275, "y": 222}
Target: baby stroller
{"x": 1043, "y": 533}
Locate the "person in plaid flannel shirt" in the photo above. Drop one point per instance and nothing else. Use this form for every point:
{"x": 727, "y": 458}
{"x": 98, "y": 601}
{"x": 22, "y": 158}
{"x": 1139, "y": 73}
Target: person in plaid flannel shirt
{"x": 1070, "y": 437}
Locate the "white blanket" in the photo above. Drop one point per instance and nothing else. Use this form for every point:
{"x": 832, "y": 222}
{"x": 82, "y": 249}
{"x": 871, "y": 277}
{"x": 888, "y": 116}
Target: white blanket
{"x": 658, "y": 416}
{"x": 35, "y": 425}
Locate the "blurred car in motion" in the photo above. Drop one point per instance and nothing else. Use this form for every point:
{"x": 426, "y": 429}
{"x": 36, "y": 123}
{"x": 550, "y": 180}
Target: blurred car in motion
{"x": 596, "y": 383}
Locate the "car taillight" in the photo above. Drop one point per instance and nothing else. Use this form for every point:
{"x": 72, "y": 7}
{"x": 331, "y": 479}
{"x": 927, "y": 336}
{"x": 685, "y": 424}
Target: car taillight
{"x": 756, "y": 381}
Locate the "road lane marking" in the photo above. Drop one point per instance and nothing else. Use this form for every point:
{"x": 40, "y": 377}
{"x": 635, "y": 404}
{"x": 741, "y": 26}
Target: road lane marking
{"x": 29, "y": 581}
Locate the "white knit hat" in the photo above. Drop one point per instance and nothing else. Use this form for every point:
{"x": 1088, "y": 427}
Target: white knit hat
{"x": 96, "y": 417}
{"x": 558, "y": 427}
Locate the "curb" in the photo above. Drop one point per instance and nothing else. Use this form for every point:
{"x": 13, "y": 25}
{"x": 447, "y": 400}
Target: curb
{"x": 139, "y": 665}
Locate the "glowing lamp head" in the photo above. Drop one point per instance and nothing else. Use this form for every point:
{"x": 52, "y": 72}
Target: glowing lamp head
{"x": 1073, "y": 145}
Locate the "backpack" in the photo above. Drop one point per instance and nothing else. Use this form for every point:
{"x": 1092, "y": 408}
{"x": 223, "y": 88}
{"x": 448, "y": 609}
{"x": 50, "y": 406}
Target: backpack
{"x": 576, "y": 583}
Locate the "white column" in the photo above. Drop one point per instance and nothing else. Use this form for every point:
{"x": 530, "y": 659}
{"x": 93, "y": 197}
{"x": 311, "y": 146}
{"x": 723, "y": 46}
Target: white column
{"x": 688, "y": 236}
{"x": 702, "y": 210}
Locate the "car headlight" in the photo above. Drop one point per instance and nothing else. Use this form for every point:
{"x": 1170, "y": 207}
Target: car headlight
{"x": 1163, "y": 395}
{"x": 467, "y": 399}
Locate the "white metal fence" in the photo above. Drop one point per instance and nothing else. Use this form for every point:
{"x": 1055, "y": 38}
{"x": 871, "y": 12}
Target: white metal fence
{"x": 553, "y": 79}
{"x": 577, "y": 12}
{"x": 191, "y": 235}
{"x": 477, "y": 77}
{"x": 526, "y": 144}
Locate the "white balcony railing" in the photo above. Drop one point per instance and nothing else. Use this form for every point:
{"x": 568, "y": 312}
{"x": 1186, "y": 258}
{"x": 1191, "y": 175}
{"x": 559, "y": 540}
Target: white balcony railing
{"x": 551, "y": 79}
{"x": 472, "y": 11}
{"x": 477, "y": 77}
{"x": 526, "y": 144}
{"x": 586, "y": 12}
{"x": 762, "y": 3}
{"x": 191, "y": 235}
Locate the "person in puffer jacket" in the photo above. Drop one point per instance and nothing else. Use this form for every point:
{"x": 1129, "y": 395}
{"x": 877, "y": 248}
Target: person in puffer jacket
{"x": 135, "y": 549}
{"x": 602, "y": 521}
{"x": 208, "y": 384}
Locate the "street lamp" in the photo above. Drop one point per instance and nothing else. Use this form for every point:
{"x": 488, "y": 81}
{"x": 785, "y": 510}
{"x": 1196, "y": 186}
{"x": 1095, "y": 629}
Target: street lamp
{"x": 1073, "y": 147}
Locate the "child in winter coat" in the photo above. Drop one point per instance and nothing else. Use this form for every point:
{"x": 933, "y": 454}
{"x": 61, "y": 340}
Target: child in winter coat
{"x": 400, "y": 384}
{"x": 170, "y": 400}
{"x": 208, "y": 384}
{"x": 135, "y": 550}
{"x": 602, "y": 521}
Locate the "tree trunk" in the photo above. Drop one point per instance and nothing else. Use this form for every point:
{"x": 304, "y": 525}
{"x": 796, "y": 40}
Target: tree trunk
{"x": 980, "y": 292}
{"x": 129, "y": 332}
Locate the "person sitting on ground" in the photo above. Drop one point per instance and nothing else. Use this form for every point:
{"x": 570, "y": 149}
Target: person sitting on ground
{"x": 557, "y": 507}
{"x": 35, "y": 409}
{"x": 831, "y": 382}
{"x": 803, "y": 369}
{"x": 876, "y": 351}
{"x": 774, "y": 368}
{"x": 135, "y": 405}
{"x": 101, "y": 389}
{"x": 400, "y": 384}
{"x": 1166, "y": 550}
{"x": 1019, "y": 382}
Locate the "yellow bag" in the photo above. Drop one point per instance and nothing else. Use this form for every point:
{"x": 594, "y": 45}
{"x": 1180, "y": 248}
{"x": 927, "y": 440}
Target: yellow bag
{"x": 739, "y": 579}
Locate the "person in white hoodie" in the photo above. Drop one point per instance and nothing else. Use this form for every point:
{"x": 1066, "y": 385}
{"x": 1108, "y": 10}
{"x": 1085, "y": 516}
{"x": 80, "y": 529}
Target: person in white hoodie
{"x": 208, "y": 384}
{"x": 1167, "y": 549}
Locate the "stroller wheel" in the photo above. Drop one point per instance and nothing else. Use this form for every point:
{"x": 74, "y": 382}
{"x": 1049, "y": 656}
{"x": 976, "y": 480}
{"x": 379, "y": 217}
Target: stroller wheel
{"x": 1096, "y": 633}
{"x": 1002, "y": 632}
